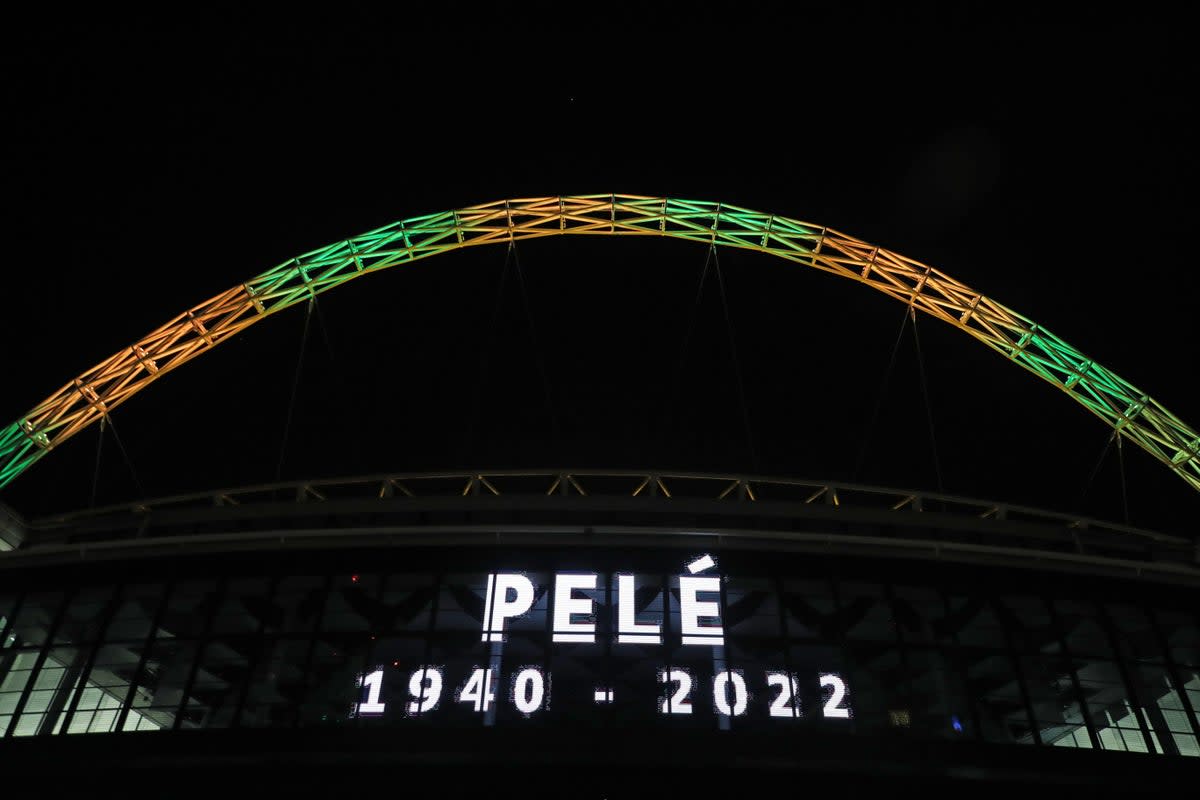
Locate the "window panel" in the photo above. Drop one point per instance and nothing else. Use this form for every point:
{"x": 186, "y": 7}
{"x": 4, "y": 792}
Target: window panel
{"x": 1110, "y": 706}
{"x": 882, "y": 696}
{"x": 54, "y": 685}
{"x": 273, "y": 698}
{"x": 1162, "y": 707}
{"x": 16, "y": 670}
{"x": 809, "y": 609}
{"x": 461, "y": 602}
{"x": 939, "y": 698}
{"x": 1028, "y": 621}
{"x": 1057, "y": 711}
{"x": 106, "y": 688}
{"x": 220, "y": 678}
{"x": 972, "y": 620}
{"x": 8, "y": 601}
{"x": 1191, "y": 687}
{"x": 353, "y": 604}
{"x": 84, "y": 615}
{"x": 28, "y": 724}
{"x": 1135, "y": 634}
{"x": 189, "y": 608}
{"x": 160, "y": 685}
{"x": 751, "y": 607}
{"x": 1082, "y": 629}
{"x": 96, "y": 712}
{"x": 865, "y": 612}
{"x": 995, "y": 693}
{"x": 135, "y": 613}
{"x": 296, "y": 604}
{"x": 332, "y": 690}
{"x": 921, "y": 614}
{"x": 244, "y": 608}
{"x": 1183, "y": 636}
{"x": 31, "y": 623}
{"x": 406, "y": 603}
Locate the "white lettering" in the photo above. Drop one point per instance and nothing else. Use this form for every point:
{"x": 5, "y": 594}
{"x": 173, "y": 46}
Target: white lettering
{"x": 833, "y": 704}
{"x": 425, "y": 685}
{"x": 691, "y": 609}
{"x": 629, "y": 630}
{"x": 678, "y": 703}
{"x": 565, "y": 606}
{"x": 721, "y": 685}
{"x": 529, "y": 690}
{"x": 373, "y": 682}
{"x": 478, "y": 690}
{"x": 782, "y": 705}
{"x": 499, "y": 607}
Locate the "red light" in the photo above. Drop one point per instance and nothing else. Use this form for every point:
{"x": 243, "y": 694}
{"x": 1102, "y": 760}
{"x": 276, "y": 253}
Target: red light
{"x": 354, "y": 579}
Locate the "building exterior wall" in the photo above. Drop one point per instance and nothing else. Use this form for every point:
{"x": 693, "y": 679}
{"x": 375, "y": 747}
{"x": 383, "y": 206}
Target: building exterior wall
{"x": 340, "y": 639}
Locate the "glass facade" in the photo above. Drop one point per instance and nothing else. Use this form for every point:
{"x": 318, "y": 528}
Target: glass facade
{"x": 480, "y": 636}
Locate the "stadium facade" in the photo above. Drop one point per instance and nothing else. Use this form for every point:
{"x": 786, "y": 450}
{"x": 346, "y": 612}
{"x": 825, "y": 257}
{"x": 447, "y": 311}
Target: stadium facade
{"x": 613, "y": 630}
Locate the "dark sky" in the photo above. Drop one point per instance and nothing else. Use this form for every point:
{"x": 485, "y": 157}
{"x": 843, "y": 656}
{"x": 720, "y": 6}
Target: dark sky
{"x": 1050, "y": 164}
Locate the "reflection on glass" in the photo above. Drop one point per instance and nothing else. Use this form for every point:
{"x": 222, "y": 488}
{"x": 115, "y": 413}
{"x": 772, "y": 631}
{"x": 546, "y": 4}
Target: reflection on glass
{"x": 84, "y": 615}
{"x": 1057, "y": 711}
{"x": 220, "y": 677}
{"x": 160, "y": 685}
{"x": 1110, "y": 706}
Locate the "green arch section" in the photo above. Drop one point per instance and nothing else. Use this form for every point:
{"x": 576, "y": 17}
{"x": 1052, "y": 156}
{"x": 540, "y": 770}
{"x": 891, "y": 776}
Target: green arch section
{"x": 95, "y": 393}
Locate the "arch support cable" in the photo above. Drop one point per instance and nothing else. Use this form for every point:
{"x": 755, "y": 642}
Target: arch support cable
{"x": 1140, "y": 419}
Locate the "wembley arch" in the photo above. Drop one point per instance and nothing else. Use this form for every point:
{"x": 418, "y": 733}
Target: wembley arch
{"x": 1129, "y": 411}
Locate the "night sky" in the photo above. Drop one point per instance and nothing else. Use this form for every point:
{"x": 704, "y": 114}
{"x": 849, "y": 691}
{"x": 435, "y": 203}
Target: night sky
{"x": 1050, "y": 164}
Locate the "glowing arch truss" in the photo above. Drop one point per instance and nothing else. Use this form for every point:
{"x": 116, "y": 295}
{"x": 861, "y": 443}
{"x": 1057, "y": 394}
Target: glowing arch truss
{"x": 87, "y": 398}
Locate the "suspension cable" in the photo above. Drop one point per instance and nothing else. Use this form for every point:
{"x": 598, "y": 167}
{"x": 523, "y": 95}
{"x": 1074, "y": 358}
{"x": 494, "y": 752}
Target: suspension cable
{"x": 1121, "y": 467}
{"x": 125, "y": 454}
{"x": 1096, "y": 469}
{"x": 339, "y": 377}
{"x": 485, "y": 352}
{"x": 537, "y": 349}
{"x": 96, "y": 470}
{"x": 737, "y": 364}
{"x": 287, "y": 425}
{"x": 673, "y": 385}
{"x": 879, "y": 398}
{"x": 937, "y": 465}
{"x": 324, "y": 331}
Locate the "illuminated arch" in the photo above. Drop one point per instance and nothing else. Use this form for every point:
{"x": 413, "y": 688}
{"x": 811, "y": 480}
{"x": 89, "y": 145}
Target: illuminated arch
{"x": 97, "y": 391}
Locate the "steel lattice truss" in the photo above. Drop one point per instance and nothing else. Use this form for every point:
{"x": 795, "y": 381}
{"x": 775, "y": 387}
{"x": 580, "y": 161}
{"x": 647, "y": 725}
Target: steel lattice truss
{"x": 87, "y": 398}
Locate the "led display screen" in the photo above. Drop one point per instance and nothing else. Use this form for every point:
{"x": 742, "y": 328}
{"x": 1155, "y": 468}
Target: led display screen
{"x": 643, "y": 644}
{"x": 723, "y": 640}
